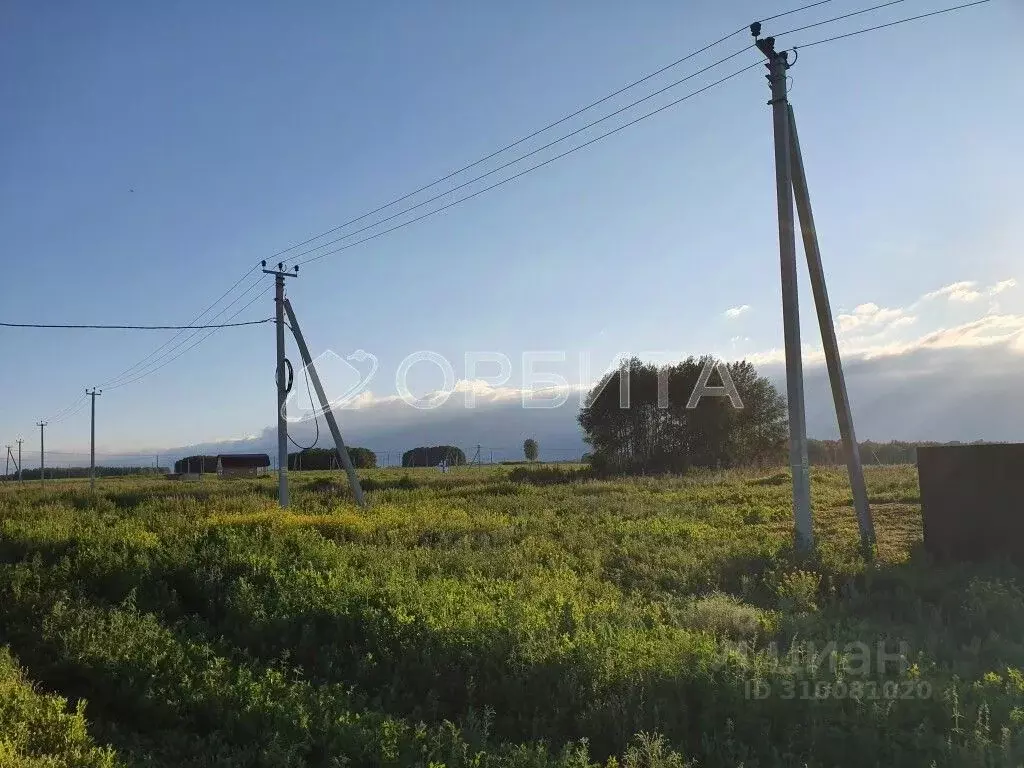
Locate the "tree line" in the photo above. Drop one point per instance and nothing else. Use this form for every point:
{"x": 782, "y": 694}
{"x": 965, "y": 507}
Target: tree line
{"x": 658, "y": 431}
{"x": 824, "y": 452}
{"x": 61, "y": 473}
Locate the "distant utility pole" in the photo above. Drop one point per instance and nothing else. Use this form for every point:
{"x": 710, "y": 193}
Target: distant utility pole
{"x": 282, "y": 388}
{"x": 42, "y": 453}
{"x": 7, "y": 467}
{"x": 92, "y": 438}
{"x": 20, "y": 441}
{"x": 791, "y": 182}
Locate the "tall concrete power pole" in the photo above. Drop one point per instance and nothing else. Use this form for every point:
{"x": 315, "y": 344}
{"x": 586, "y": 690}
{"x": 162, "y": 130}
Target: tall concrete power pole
{"x": 791, "y": 182}
{"x": 42, "y": 453}
{"x": 92, "y": 438}
{"x": 777, "y": 65}
{"x": 20, "y": 441}
{"x": 282, "y": 388}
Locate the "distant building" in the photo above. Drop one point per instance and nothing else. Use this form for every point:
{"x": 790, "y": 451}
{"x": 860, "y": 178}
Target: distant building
{"x": 231, "y": 465}
{"x": 193, "y": 467}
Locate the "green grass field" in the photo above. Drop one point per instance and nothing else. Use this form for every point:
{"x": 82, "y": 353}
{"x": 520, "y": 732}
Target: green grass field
{"x": 469, "y": 619}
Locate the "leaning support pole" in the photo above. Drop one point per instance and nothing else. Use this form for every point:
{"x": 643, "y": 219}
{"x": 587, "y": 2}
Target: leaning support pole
{"x": 829, "y": 342}
{"x": 307, "y": 361}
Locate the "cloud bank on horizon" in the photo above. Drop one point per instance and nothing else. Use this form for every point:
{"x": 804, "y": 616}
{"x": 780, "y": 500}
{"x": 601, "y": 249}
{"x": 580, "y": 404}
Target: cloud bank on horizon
{"x": 909, "y": 378}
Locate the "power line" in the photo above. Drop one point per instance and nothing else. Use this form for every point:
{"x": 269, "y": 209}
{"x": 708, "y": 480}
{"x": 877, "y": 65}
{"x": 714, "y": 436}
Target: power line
{"x": 169, "y": 353}
{"x": 144, "y": 374}
{"x": 316, "y": 421}
{"x": 535, "y": 167}
{"x": 61, "y": 419}
{"x": 169, "y": 356}
{"x": 539, "y": 131}
{"x": 840, "y": 18}
{"x": 894, "y": 23}
{"x": 564, "y": 137}
{"x": 531, "y": 153}
{"x": 136, "y": 327}
{"x": 214, "y": 328}
{"x": 65, "y": 411}
{"x": 195, "y": 319}
{"x": 633, "y": 122}
{"x": 119, "y": 379}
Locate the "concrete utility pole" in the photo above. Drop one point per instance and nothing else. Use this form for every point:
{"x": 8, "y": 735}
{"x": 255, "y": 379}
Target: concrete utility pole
{"x": 92, "y": 438}
{"x": 7, "y": 467}
{"x": 777, "y": 66}
{"x": 42, "y": 453}
{"x": 792, "y": 182}
{"x": 830, "y": 344}
{"x": 314, "y": 378}
{"x": 20, "y": 441}
{"x": 282, "y": 388}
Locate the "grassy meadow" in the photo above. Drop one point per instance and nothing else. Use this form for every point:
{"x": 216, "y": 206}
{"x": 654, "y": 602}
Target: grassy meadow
{"x": 497, "y": 616}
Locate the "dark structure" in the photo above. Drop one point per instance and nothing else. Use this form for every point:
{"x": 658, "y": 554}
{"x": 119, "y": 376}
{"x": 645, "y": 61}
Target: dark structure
{"x": 327, "y": 458}
{"x": 195, "y": 465}
{"x": 431, "y": 456}
{"x": 242, "y": 464}
{"x": 972, "y": 500}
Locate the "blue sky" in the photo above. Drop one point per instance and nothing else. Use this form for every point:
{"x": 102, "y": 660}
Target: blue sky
{"x": 245, "y": 128}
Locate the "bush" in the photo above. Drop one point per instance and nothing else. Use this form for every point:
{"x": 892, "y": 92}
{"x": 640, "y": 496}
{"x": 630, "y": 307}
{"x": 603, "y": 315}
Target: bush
{"x": 724, "y": 615}
{"x": 327, "y": 458}
{"x": 40, "y": 730}
{"x": 424, "y": 456}
{"x": 547, "y": 475}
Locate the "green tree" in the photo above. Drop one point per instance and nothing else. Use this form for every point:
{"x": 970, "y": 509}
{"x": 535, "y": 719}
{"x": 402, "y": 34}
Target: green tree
{"x": 530, "y": 449}
{"x": 327, "y": 458}
{"x": 637, "y": 419}
{"x": 431, "y": 456}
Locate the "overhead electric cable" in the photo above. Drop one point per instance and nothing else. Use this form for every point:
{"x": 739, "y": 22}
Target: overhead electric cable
{"x": 146, "y": 373}
{"x": 534, "y": 167}
{"x": 938, "y": 12}
{"x": 168, "y": 353}
{"x": 195, "y": 319}
{"x": 549, "y": 126}
{"x": 136, "y": 327}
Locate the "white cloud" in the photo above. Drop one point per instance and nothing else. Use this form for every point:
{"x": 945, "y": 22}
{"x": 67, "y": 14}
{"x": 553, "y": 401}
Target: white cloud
{"x": 962, "y": 291}
{"x": 966, "y": 291}
{"x": 1002, "y": 285}
{"x": 987, "y": 331}
{"x": 873, "y": 319}
{"x": 733, "y": 312}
